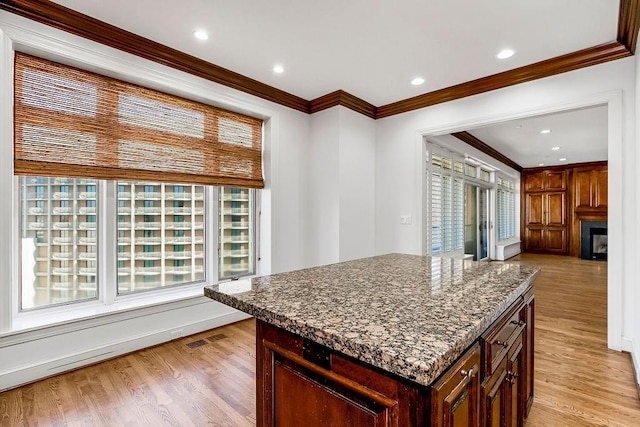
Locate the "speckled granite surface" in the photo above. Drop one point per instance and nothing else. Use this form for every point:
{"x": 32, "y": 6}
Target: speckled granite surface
{"x": 409, "y": 315}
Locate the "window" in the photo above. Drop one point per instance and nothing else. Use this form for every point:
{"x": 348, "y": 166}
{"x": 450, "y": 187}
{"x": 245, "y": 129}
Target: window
{"x": 167, "y": 161}
{"x": 446, "y": 204}
{"x": 158, "y": 244}
{"x": 506, "y": 208}
{"x": 236, "y": 232}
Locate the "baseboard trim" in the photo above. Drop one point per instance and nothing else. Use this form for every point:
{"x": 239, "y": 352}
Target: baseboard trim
{"x": 36, "y": 372}
{"x": 635, "y": 364}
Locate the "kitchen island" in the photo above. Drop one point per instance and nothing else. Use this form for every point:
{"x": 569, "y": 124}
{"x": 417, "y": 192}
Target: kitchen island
{"x": 391, "y": 340}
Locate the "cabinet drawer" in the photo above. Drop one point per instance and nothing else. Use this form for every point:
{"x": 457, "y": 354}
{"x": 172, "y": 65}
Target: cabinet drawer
{"x": 504, "y": 332}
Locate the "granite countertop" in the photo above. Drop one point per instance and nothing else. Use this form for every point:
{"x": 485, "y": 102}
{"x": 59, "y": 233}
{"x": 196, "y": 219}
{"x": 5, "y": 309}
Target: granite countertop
{"x": 406, "y": 314}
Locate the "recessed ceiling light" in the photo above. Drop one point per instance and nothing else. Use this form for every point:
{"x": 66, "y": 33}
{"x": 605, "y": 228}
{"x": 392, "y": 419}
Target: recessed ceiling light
{"x": 545, "y": 131}
{"x": 417, "y": 81}
{"x": 278, "y": 69}
{"x": 540, "y": 164}
{"x": 562, "y": 159}
{"x": 555, "y": 148}
{"x": 505, "y": 53}
{"x": 201, "y": 34}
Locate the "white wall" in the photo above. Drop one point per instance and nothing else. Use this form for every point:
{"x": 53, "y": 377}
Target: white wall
{"x": 357, "y": 185}
{"x": 398, "y": 180}
{"x": 322, "y": 179}
{"x": 340, "y": 182}
{"x": 29, "y": 355}
{"x": 635, "y": 350}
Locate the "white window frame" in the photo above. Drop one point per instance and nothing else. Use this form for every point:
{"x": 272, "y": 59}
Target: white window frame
{"x": 478, "y": 166}
{"x": 511, "y": 215}
{"x": 20, "y": 34}
{"x": 430, "y": 169}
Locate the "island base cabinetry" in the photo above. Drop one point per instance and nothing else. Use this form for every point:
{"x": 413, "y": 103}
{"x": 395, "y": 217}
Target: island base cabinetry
{"x": 455, "y": 397}
{"x": 301, "y": 383}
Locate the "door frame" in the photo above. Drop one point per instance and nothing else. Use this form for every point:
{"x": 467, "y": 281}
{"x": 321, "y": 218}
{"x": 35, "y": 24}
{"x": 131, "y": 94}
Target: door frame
{"x": 617, "y": 270}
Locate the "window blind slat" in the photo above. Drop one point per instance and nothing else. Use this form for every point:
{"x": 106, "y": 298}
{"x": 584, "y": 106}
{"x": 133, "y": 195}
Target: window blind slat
{"x": 70, "y": 122}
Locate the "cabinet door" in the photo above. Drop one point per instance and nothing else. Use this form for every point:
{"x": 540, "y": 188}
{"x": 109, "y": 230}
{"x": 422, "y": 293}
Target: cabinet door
{"x": 534, "y": 238}
{"x": 299, "y": 383}
{"x": 555, "y": 213}
{"x": 555, "y": 239}
{"x": 494, "y": 397}
{"x": 455, "y": 396}
{"x": 535, "y": 206}
{"x": 600, "y": 188}
{"x": 527, "y": 377}
{"x": 582, "y": 189}
{"x": 515, "y": 368}
{"x": 534, "y": 182}
{"x": 556, "y": 180}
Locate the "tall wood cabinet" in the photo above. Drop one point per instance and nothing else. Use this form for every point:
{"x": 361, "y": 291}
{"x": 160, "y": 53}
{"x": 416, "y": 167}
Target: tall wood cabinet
{"x": 545, "y": 211}
{"x": 556, "y": 199}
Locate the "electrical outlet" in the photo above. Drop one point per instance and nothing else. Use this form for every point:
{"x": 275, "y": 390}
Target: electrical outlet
{"x": 176, "y": 334}
{"x": 405, "y": 219}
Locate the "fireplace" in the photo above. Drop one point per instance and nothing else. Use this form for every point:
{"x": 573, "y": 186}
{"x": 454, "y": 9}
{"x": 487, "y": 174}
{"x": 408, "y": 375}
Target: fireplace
{"x": 593, "y": 240}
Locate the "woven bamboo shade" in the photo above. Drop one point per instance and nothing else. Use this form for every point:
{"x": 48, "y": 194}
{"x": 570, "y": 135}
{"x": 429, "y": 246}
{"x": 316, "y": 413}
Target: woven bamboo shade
{"x": 70, "y": 122}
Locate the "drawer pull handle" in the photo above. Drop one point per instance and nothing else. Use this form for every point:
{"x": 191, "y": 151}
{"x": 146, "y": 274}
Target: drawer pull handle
{"x": 502, "y": 343}
{"x": 518, "y": 322}
{"x": 467, "y": 374}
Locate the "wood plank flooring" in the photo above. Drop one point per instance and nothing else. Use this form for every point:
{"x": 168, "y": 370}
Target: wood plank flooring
{"x": 579, "y": 382}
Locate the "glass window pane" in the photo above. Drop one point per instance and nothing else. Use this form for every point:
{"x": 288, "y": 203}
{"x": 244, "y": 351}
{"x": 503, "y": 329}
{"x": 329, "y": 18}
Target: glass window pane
{"x": 160, "y": 235}
{"x": 470, "y": 170}
{"x": 58, "y": 230}
{"x": 236, "y": 232}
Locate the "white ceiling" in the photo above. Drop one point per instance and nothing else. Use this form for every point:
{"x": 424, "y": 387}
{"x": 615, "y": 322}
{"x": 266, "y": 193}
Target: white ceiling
{"x": 369, "y": 48}
{"x": 373, "y": 48}
{"x": 580, "y": 134}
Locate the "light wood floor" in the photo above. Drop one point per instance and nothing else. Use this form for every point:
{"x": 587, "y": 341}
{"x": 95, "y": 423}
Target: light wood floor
{"x": 579, "y": 382}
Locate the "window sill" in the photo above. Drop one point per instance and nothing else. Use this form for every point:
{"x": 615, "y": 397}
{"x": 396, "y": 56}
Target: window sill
{"x": 58, "y": 320}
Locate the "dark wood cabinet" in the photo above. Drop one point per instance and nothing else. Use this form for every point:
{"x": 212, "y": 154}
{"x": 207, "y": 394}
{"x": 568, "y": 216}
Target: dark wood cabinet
{"x": 529, "y": 348}
{"x": 455, "y": 396}
{"x": 545, "y": 212}
{"x": 302, "y": 383}
{"x": 507, "y": 377}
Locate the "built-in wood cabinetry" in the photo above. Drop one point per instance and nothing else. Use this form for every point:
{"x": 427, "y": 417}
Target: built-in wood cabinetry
{"x": 545, "y": 223}
{"x": 506, "y": 386}
{"x": 455, "y": 397}
{"x": 555, "y": 200}
{"x": 590, "y": 186}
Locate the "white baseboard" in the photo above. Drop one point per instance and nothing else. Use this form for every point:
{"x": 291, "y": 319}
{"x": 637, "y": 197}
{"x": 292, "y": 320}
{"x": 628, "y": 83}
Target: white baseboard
{"x": 635, "y": 359}
{"x": 34, "y": 372}
{"x": 507, "y": 250}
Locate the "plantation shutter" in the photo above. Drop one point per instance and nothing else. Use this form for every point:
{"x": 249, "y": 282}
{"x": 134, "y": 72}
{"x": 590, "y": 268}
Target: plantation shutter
{"x": 70, "y": 122}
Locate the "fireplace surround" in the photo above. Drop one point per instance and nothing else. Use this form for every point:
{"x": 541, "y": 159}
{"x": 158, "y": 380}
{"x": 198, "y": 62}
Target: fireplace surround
{"x": 593, "y": 240}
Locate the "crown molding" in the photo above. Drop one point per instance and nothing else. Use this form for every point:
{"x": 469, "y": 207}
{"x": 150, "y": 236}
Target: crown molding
{"x": 467, "y": 138}
{"x": 68, "y": 20}
{"x": 629, "y": 24}
{"x": 344, "y": 99}
{"x": 63, "y": 18}
{"x": 560, "y": 64}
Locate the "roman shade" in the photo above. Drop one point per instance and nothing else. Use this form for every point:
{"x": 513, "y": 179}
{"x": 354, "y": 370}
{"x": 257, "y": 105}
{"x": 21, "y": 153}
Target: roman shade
{"x": 71, "y": 122}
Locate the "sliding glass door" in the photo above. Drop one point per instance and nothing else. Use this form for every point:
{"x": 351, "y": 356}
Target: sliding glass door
{"x": 476, "y": 221}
